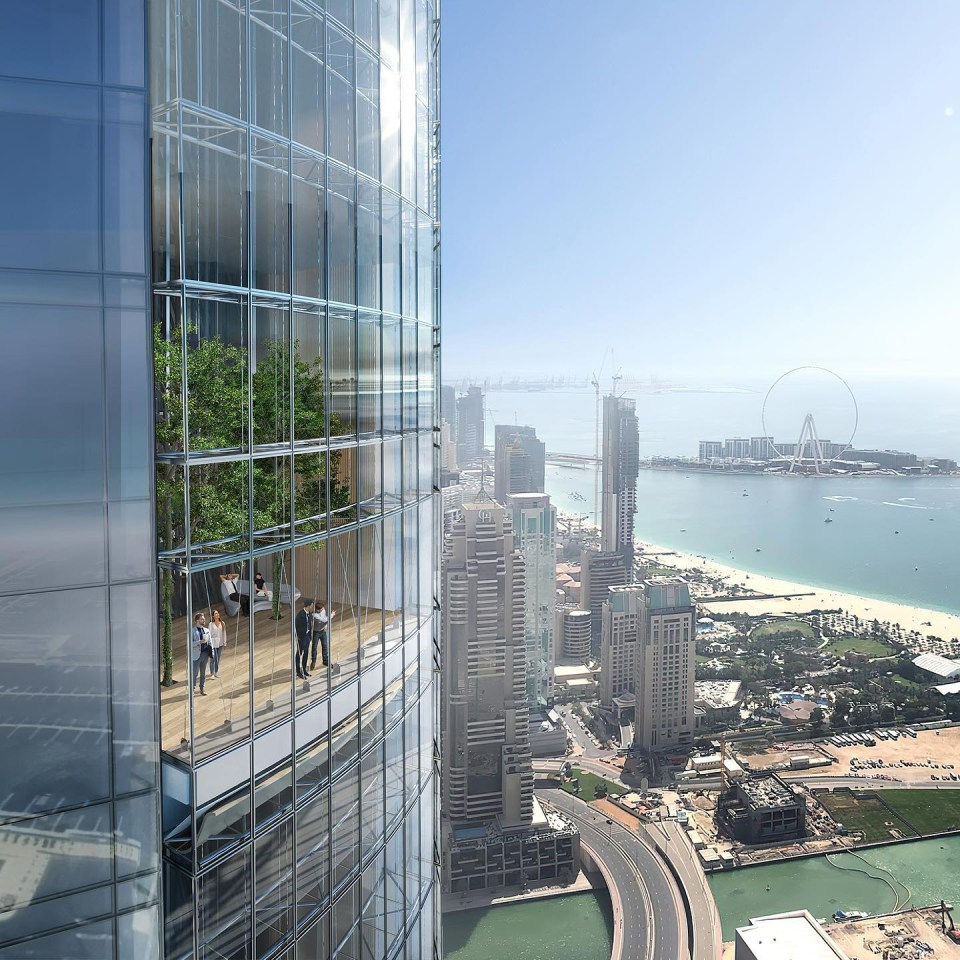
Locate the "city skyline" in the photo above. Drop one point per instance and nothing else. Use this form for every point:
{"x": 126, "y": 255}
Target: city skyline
{"x": 308, "y": 655}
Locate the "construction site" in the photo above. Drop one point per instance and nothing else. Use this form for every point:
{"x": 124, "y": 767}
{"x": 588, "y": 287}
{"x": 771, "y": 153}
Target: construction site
{"x": 916, "y": 935}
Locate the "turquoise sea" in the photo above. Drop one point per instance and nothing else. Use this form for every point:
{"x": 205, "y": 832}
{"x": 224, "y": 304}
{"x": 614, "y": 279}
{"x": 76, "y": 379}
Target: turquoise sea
{"x": 893, "y": 538}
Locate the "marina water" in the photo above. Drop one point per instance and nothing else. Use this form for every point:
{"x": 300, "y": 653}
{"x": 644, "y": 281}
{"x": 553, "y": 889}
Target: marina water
{"x": 576, "y": 925}
{"x": 929, "y": 870}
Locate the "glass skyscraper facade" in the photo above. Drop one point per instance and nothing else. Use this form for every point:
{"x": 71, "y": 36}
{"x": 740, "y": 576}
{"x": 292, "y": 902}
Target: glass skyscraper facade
{"x": 219, "y": 275}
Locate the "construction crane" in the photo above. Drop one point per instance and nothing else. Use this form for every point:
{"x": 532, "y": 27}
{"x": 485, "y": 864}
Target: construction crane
{"x": 595, "y": 382}
{"x": 723, "y": 765}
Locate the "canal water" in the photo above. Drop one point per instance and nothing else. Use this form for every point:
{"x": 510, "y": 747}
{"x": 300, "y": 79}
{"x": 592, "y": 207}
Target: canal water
{"x": 576, "y": 925}
{"x": 928, "y": 869}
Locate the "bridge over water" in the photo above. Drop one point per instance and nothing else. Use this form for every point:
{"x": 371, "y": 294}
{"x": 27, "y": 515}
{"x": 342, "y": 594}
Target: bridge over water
{"x": 570, "y": 459}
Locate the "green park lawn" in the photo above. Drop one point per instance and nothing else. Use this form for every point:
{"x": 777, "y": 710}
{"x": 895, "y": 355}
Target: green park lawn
{"x": 779, "y": 628}
{"x": 930, "y": 811}
{"x": 868, "y": 646}
{"x": 588, "y": 784}
{"x": 858, "y": 812}
{"x": 914, "y": 812}
{"x": 656, "y": 570}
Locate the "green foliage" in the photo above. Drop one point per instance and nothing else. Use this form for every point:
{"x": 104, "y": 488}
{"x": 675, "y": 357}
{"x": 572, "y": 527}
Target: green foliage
{"x": 166, "y": 642}
{"x": 217, "y": 382}
{"x": 861, "y": 715}
{"x": 590, "y": 785}
{"x": 216, "y": 400}
{"x": 782, "y": 630}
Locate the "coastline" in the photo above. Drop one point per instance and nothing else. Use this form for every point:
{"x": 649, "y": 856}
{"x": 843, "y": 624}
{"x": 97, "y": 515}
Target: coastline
{"x": 924, "y": 621}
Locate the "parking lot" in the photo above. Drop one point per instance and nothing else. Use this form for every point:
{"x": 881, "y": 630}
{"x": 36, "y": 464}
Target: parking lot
{"x": 932, "y": 754}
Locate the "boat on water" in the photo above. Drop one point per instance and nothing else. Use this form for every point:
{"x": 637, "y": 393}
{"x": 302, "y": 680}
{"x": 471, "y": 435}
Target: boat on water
{"x": 828, "y": 520}
{"x": 744, "y": 494}
{"x": 757, "y": 550}
{"x": 842, "y": 915}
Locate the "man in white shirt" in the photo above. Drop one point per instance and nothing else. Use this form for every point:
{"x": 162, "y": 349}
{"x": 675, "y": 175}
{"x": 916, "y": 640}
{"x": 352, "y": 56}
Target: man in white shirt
{"x": 320, "y": 623}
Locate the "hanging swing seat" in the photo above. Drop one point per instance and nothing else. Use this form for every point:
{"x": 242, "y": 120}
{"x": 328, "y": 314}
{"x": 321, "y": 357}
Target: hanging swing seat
{"x": 241, "y": 588}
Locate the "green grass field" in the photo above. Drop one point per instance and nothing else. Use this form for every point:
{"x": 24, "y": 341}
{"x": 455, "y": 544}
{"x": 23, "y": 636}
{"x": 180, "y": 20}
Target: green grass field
{"x": 588, "y": 784}
{"x": 930, "y": 811}
{"x": 862, "y": 813}
{"x": 914, "y": 812}
{"x": 777, "y": 628}
{"x": 868, "y": 646}
{"x": 656, "y": 570}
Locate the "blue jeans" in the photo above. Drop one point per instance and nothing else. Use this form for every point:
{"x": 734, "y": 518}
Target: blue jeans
{"x": 199, "y": 669}
{"x": 319, "y": 638}
{"x": 215, "y": 659}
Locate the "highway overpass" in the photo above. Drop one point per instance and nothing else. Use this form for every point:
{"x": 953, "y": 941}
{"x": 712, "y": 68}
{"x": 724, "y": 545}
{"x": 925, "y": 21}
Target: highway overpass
{"x": 654, "y": 919}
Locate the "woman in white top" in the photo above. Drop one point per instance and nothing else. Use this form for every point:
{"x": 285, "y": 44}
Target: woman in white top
{"x": 217, "y": 638}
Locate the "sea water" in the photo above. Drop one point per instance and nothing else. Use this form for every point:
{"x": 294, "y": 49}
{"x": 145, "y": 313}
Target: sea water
{"x": 893, "y": 538}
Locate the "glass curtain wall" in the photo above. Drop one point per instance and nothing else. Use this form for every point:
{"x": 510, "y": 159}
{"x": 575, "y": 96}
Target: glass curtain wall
{"x": 79, "y": 767}
{"x": 295, "y": 351}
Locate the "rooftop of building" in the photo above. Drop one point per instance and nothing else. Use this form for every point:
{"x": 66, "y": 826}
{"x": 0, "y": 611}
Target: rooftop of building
{"x": 717, "y": 694}
{"x": 479, "y": 833}
{"x": 935, "y": 664}
{"x": 768, "y": 790}
{"x": 667, "y": 593}
{"x": 528, "y": 499}
{"x": 571, "y": 671}
{"x": 797, "y": 711}
{"x": 788, "y": 936}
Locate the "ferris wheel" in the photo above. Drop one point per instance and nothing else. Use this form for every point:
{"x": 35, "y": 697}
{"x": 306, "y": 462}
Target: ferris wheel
{"x": 812, "y": 453}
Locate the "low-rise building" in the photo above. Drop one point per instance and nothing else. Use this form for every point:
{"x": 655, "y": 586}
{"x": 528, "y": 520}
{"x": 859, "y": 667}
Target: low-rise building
{"x": 762, "y": 809}
{"x": 941, "y": 668}
{"x": 487, "y": 855}
{"x": 786, "y": 936}
{"x": 797, "y": 711}
{"x": 548, "y": 736}
{"x": 575, "y": 681}
{"x": 719, "y": 701}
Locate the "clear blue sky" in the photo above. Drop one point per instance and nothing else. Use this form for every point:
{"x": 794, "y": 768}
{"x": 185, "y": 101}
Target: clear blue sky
{"x": 704, "y": 185}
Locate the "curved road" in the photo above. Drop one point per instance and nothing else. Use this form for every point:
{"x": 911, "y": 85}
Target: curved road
{"x": 654, "y": 920}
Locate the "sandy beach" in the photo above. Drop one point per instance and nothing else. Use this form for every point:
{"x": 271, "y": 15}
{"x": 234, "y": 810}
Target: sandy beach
{"x": 924, "y": 622}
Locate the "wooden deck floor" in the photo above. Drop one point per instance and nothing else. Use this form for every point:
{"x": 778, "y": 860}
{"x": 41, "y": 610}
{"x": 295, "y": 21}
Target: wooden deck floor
{"x": 222, "y": 716}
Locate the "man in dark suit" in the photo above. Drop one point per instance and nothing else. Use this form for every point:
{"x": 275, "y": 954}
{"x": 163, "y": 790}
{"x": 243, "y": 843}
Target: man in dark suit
{"x": 304, "y": 627}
